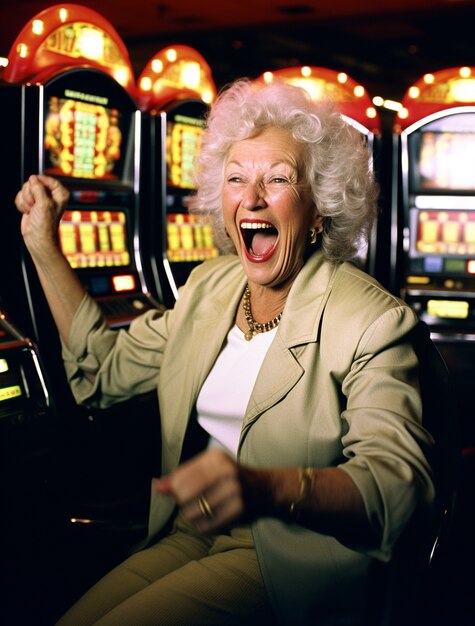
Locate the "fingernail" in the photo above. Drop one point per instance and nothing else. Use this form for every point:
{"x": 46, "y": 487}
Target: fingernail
{"x": 162, "y": 485}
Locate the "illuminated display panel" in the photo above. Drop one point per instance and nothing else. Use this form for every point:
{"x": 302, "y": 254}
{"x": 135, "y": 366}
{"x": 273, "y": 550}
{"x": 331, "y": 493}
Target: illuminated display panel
{"x": 446, "y": 161}
{"x": 125, "y": 282}
{"x": 83, "y": 139}
{"x": 441, "y": 155}
{"x": 94, "y": 238}
{"x": 446, "y": 232}
{"x": 83, "y": 39}
{"x": 184, "y": 136}
{"x": 451, "y": 309}
{"x": 188, "y": 240}
{"x": 10, "y": 386}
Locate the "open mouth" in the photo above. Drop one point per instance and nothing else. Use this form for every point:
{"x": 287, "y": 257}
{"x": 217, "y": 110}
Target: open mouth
{"x": 260, "y": 239}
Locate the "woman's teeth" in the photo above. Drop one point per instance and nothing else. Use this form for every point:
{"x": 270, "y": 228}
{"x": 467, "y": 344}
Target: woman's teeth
{"x": 259, "y": 237}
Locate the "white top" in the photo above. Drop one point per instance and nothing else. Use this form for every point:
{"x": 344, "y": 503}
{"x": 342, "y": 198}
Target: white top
{"x": 224, "y": 396}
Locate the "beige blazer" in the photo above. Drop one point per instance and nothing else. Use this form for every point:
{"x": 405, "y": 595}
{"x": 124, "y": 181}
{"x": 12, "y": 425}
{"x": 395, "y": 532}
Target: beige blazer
{"x": 338, "y": 386}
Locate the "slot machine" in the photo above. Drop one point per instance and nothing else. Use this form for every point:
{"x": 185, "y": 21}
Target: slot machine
{"x": 353, "y": 102}
{"x": 28, "y": 417}
{"x": 175, "y": 90}
{"x": 24, "y": 394}
{"x": 70, "y": 77}
{"x": 29, "y": 435}
{"x": 68, "y": 94}
{"x": 433, "y": 217}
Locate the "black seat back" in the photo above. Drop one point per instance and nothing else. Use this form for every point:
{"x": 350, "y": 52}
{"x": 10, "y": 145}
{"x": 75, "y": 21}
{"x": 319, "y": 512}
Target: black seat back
{"x": 401, "y": 588}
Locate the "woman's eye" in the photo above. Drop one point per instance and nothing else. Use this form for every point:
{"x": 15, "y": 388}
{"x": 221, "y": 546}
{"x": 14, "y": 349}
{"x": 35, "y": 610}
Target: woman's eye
{"x": 279, "y": 180}
{"x": 234, "y": 179}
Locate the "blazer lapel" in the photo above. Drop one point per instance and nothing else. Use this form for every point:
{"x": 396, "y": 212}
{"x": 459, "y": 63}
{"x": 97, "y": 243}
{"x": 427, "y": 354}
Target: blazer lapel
{"x": 281, "y": 369}
{"x": 208, "y": 335}
{"x": 300, "y": 324}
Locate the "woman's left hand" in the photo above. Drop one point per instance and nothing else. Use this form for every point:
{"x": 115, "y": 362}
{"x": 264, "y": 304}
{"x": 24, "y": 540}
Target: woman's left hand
{"x": 207, "y": 489}
{"x": 212, "y": 490}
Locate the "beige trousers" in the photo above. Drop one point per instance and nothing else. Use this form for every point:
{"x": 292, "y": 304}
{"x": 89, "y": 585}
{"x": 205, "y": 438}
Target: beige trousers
{"x": 183, "y": 580}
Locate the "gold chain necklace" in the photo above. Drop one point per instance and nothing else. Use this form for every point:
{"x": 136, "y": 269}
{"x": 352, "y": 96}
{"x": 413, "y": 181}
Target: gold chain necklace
{"x": 256, "y": 327}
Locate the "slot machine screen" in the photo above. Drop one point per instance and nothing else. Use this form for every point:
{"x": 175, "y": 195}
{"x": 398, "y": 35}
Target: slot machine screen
{"x": 446, "y": 161}
{"x": 447, "y": 233}
{"x": 84, "y": 139}
{"x": 95, "y": 238}
{"x": 442, "y": 156}
{"x": 188, "y": 240}
{"x": 184, "y": 135}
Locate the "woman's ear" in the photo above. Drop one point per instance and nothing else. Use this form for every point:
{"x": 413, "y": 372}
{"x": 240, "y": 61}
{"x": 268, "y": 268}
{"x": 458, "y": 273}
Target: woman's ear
{"x": 318, "y": 223}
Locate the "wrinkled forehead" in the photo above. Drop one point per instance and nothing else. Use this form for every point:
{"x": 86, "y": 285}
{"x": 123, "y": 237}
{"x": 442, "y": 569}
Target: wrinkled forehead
{"x": 267, "y": 148}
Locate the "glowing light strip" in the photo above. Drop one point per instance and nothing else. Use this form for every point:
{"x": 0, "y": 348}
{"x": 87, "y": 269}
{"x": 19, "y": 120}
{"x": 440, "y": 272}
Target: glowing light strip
{"x": 445, "y": 202}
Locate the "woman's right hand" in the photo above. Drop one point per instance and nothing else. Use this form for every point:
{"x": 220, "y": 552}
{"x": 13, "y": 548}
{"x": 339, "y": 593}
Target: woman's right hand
{"x": 42, "y": 201}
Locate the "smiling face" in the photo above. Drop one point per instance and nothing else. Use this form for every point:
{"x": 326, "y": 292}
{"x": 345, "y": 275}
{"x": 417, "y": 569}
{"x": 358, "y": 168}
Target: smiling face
{"x": 268, "y": 208}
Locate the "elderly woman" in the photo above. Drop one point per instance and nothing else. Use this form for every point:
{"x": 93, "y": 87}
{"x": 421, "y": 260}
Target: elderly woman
{"x": 288, "y": 370}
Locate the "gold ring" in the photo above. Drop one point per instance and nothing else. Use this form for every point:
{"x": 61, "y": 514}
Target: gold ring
{"x": 205, "y": 507}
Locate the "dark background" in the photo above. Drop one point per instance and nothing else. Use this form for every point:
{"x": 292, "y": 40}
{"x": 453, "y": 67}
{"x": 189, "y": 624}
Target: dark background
{"x": 386, "y": 45}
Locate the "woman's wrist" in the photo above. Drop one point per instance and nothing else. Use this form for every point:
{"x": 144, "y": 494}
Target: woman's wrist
{"x": 43, "y": 246}
{"x": 285, "y": 493}
{"x": 304, "y": 498}
{"x": 324, "y": 499}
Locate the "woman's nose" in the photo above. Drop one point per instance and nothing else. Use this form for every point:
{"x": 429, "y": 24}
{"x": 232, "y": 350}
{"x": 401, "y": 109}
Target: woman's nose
{"x": 254, "y": 196}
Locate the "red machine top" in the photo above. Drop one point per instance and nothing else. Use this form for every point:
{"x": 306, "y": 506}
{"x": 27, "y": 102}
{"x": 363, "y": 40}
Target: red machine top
{"x": 445, "y": 89}
{"x": 67, "y": 36}
{"x": 350, "y": 98}
{"x": 175, "y": 73}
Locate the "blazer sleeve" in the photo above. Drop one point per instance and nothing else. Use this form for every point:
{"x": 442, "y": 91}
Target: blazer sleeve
{"x": 120, "y": 363}
{"x": 386, "y": 444}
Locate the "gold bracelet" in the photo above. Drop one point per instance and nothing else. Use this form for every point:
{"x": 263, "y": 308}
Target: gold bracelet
{"x": 306, "y": 478}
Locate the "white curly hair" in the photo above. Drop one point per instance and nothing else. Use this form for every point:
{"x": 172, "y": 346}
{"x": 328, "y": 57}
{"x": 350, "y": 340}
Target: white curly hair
{"x": 338, "y": 166}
